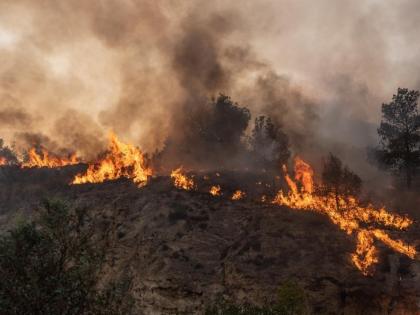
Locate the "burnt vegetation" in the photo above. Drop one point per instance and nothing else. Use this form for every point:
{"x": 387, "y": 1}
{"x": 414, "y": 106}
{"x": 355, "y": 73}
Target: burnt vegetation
{"x": 338, "y": 180}
{"x": 202, "y": 195}
{"x": 56, "y": 262}
{"x": 215, "y": 137}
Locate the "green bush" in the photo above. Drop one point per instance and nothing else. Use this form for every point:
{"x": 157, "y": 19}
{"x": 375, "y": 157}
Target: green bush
{"x": 53, "y": 265}
{"x": 291, "y": 300}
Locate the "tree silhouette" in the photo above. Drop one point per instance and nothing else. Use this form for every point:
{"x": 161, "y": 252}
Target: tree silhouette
{"x": 7, "y": 153}
{"x": 225, "y": 123}
{"x": 269, "y": 144}
{"x": 400, "y": 134}
{"x": 338, "y": 180}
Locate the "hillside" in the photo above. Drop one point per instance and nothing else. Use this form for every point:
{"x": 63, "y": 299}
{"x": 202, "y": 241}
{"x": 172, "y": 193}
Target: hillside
{"x": 186, "y": 248}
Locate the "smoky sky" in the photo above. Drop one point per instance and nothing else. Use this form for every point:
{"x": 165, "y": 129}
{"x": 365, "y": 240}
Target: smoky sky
{"x": 74, "y": 70}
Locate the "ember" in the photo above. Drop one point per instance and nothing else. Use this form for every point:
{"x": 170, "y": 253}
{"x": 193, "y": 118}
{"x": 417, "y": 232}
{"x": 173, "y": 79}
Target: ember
{"x": 237, "y": 195}
{"x": 215, "y": 190}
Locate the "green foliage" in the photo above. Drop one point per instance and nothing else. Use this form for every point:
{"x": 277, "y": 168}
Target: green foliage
{"x": 291, "y": 300}
{"x": 400, "y": 133}
{"x": 52, "y": 266}
{"x": 226, "y": 308}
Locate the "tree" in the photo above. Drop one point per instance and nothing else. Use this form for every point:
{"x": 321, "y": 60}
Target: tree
{"x": 338, "y": 180}
{"x": 269, "y": 144}
{"x": 225, "y": 123}
{"x": 213, "y": 132}
{"x": 7, "y": 155}
{"x": 400, "y": 134}
{"x": 53, "y": 266}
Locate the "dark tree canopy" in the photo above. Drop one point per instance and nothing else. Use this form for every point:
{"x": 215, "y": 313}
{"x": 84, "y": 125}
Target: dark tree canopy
{"x": 269, "y": 144}
{"x": 53, "y": 266}
{"x": 211, "y": 134}
{"x": 7, "y": 153}
{"x": 225, "y": 123}
{"x": 338, "y": 180}
{"x": 400, "y": 133}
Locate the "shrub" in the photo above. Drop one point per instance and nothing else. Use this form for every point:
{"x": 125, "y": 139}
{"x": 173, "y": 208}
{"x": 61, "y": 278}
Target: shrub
{"x": 291, "y": 300}
{"x": 53, "y": 266}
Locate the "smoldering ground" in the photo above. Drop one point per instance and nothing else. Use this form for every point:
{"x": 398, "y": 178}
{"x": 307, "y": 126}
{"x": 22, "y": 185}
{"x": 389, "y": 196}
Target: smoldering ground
{"x": 77, "y": 69}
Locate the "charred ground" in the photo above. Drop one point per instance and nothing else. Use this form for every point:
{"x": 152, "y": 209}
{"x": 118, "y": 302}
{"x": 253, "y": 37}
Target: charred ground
{"x": 185, "y": 248}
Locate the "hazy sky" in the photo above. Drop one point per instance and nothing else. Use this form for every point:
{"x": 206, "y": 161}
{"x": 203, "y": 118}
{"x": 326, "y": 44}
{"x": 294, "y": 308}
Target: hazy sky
{"x": 72, "y": 70}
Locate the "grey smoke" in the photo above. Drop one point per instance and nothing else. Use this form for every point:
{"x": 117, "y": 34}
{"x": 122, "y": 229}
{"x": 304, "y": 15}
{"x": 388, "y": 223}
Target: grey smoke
{"x": 77, "y": 69}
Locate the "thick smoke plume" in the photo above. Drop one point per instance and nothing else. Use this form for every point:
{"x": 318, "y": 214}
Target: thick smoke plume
{"x": 72, "y": 71}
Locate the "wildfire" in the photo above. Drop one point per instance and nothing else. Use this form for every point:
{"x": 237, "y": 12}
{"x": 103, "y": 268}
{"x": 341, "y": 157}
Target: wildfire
{"x": 45, "y": 159}
{"x": 237, "y": 195}
{"x": 181, "y": 180}
{"x": 3, "y": 161}
{"x": 215, "y": 190}
{"x": 348, "y": 214}
{"x": 121, "y": 160}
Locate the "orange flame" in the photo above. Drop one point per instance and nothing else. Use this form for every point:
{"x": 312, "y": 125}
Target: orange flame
{"x": 348, "y": 216}
{"x": 121, "y": 160}
{"x": 239, "y": 194}
{"x": 45, "y": 159}
{"x": 215, "y": 190}
{"x": 304, "y": 174}
{"x": 366, "y": 253}
{"x": 3, "y": 161}
{"x": 181, "y": 180}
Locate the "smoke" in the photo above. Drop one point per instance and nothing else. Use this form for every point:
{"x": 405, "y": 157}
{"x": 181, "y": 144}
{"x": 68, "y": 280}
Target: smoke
{"x": 74, "y": 70}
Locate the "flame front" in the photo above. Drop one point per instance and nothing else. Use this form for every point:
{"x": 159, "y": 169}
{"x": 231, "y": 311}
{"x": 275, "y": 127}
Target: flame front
{"x": 121, "y": 160}
{"x": 238, "y": 195}
{"x": 215, "y": 190}
{"x": 181, "y": 180}
{"x": 348, "y": 214}
{"x": 45, "y": 159}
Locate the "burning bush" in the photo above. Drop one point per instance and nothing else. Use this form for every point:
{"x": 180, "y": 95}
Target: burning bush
{"x": 43, "y": 158}
{"x": 338, "y": 180}
{"x": 121, "y": 160}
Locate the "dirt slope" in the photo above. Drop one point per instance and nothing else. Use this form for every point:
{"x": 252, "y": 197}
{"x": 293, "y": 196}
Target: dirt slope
{"x": 185, "y": 248}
